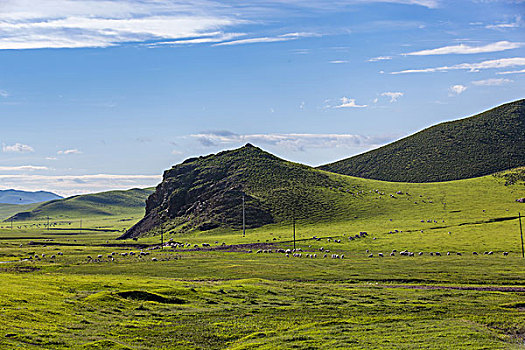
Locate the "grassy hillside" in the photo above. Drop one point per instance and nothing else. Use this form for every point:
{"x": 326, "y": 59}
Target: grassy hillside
{"x": 8, "y": 210}
{"x": 206, "y": 193}
{"x": 111, "y": 203}
{"x": 480, "y": 145}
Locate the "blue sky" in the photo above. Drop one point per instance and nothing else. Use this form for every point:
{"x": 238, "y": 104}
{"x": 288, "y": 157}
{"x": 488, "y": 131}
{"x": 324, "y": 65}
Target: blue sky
{"x": 99, "y": 95}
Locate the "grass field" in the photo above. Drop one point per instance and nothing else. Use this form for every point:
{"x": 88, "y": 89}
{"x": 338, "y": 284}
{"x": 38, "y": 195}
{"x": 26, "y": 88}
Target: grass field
{"x": 225, "y": 297}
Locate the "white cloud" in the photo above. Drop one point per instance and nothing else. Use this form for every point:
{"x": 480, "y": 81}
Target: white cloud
{"x": 393, "y": 95}
{"x": 67, "y": 185}
{"x": 457, "y": 90}
{"x": 295, "y": 142}
{"x": 339, "y": 62}
{"x": 513, "y": 72}
{"x": 466, "y": 49}
{"x": 18, "y": 148}
{"x": 492, "y": 82}
{"x": 283, "y": 37}
{"x": 69, "y": 151}
{"x": 176, "y": 153}
{"x": 23, "y": 168}
{"x": 51, "y": 158}
{"x": 33, "y": 24}
{"x": 503, "y": 26}
{"x": 349, "y": 103}
{"x": 28, "y": 24}
{"x": 4, "y": 93}
{"x": 380, "y": 58}
{"x": 473, "y": 67}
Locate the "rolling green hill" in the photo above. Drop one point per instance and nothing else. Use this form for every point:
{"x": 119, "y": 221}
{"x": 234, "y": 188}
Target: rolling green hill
{"x": 8, "y": 210}
{"x": 480, "y": 145}
{"x": 97, "y": 204}
{"x": 207, "y": 192}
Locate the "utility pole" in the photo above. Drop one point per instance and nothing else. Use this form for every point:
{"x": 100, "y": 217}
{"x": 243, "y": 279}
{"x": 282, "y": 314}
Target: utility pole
{"x": 161, "y": 237}
{"x": 243, "y": 218}
{"x": 48, "y": 223}
{"x": 521, "y": 234}
{"x": 293, "y": 222}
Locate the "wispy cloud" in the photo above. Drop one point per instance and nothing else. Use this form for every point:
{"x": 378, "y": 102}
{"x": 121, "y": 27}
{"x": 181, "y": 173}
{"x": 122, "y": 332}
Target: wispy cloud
{"x": 17, "y": 148}
{"x": 492, "y": 82}
{"x": 467, "y": 49}
{"x": 506, "y": 25}
{"x": 67, "y": 185}
{"x": 457, "y": 90}
{"x": 268, "y": 39}
{"x": 4, "y": 93}
{"x": 339, "y": 62}
{"x": 295, "y": 142}
{"x": 393, "y": 95}
{"x": 27, "y": 24}
{"x": 473, "y": 67}
{"x": 69, "y": 151}
{"x": 22, "y": 168}
{"x": 380, "y": 58}
{"x": 349, "y": 103}
{"x": 513, "y": 72}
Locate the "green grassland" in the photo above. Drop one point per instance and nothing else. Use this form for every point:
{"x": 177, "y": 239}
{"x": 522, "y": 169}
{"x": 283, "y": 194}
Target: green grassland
{"x": 225, "y": 297}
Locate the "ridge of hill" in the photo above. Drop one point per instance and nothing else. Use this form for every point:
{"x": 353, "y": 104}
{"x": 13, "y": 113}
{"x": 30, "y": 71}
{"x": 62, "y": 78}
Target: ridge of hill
{"x": 207, "y": 193}
{"x": 480, "y": 145}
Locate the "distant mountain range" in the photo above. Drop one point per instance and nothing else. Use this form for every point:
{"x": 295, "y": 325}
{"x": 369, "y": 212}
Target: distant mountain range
{"x": 480, "y": 145}
{"x": 24, "y": 197}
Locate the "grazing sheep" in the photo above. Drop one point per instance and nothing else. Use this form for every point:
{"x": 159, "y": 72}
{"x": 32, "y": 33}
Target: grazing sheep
{"x": 99, "y": 256}
{"x": 153, "y": 259}
{"x": 60, "y": 253}
{"x": 392, "y": 254}
{"x": 491, "y": 252}
{"x": 368, "y": 251}
{"x": 342, "y": 256}
{"x": 205, "y": 244}
{"x": 458, "y": 253}
{"x": 371, "y": 256}
{"x": 505, "y": 253}
{"x": 89, "y": 257}
{"x": 43, "y": 255}
{"x": 448, "y": 253}
{"x": 431, "y": 253}
{"x": 438, "y": 254}
{"x": 474, "y": 253}
{"x": 52, "y": 256}
{"x": 123, "y": 254}
{"x": 324, "y": 256}
{"x": 287, "y": 255}
{"x": 420, "y": 253}
{"x": 380, "y": 255}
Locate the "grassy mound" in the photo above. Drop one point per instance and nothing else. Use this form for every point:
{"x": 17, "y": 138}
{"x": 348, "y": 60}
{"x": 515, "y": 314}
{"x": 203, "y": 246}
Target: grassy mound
{"x": 480, "y": 145}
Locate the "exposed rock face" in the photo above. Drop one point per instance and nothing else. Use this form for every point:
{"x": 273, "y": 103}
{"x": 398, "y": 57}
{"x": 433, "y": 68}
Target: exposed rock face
{"x": 206, "y": 193}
